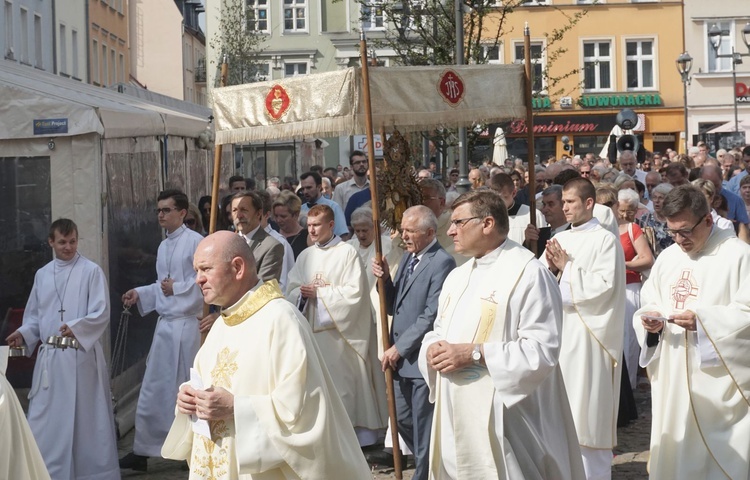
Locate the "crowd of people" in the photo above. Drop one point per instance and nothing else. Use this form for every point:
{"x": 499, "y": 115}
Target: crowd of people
{"x": 515, "y": 345}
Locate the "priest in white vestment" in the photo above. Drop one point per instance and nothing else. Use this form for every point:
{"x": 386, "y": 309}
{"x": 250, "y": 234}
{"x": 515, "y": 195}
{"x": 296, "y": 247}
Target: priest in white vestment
{"x": 22, "y": 459}
{"x": 491, "y": 362}
{"x": 70, "y": 407}
{"x": 519, "y": 215}
{"x": 697, "y": 360}
{"x": 591, "y": 267}
{"x": 177, "y": 299}
{"x": 329, "y": 285}
{"x": 262, "y": 402}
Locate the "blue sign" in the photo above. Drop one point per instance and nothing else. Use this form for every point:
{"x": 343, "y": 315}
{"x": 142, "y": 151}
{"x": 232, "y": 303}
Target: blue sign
{"x": 50, "y": 126}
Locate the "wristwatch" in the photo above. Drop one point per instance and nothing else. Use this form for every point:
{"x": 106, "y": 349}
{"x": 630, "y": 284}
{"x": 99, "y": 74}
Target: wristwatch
{"x": 476, "y": 355}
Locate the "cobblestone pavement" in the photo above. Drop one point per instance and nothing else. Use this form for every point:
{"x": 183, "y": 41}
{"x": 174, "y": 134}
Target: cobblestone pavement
{"x": 628, "y": 464}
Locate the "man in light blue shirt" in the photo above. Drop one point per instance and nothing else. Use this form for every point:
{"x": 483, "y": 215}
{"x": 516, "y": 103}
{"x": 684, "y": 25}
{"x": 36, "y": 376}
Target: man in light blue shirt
{"x": 734, "y": 182}
{"x": 311, "y": 186}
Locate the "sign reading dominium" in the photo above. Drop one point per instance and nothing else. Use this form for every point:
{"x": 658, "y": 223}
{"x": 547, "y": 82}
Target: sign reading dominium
{"x": 451, "y": 87}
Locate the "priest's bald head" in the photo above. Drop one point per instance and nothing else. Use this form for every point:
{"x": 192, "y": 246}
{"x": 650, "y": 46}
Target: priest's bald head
{"x": 225, "y": 268}
{"x": 689, "y": 220}
{"x": 479, "y": 223}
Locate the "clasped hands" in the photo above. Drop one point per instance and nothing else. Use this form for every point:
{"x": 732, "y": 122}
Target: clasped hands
{"x": 447, "y": 357}
{"x": 556, "y": 257}
{"x": 214, "y": 403}
{"x": 686, "y": 320}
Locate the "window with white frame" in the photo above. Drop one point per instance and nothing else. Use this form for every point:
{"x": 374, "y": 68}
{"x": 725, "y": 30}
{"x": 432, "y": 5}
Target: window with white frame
{"x": 492, "y": 53}
{"x": 597, "y": 65}
{"x": 535, "y": 2}
{"x": 716, "y": 64}
{"x": 372, "y": 15}
{"x": 38, "y": 59}
{"x": 256, "y": 15}
{"x": 537, "y": 63}
{"x": 639, "y": 62}
{"x": 74, "y": 53}
{"x": 295, "y": 15}
{"x": 262, "y": 72}
{"x": 292, "y": 69}
{"x": 95, "y": 62}
{"x": 9, "y": 51}
{"x": 24, "y": 36}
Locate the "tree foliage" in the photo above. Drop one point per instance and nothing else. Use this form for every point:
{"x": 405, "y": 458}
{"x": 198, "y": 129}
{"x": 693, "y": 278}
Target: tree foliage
{"x": 241, "y": 45}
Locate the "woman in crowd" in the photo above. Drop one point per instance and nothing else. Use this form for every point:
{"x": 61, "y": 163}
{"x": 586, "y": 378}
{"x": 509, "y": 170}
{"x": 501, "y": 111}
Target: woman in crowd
{"x": 286, "y": 210}
{"x": 193, "y": 220}
{"x": 204, "y": 205}
{"x": 656, "y": 221}
{"x": 709, "y": 190}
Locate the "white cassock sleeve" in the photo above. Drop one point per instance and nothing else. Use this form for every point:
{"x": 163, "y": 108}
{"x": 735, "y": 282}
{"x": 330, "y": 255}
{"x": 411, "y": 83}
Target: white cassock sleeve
{"x": 31, "y": 314}
{"x": 147, "y": 297}
{"x": 518, "y": 365}
{"x": 89, "y": 328}
{"x": 255, "y": 451}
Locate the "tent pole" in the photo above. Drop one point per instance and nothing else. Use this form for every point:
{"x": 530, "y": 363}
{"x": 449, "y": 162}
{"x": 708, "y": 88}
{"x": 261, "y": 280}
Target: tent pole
{"x": 379, "y": 250}
{"x": 215, "y": 187}
{"x": 529, "y": 82}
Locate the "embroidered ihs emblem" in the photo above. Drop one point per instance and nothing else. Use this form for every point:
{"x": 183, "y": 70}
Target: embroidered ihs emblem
{"x": 226, "y": 366}
{"x": 685, "y": 288}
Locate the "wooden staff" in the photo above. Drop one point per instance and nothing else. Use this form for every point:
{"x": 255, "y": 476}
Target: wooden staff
{"x": 530, "y": 128}
{"x": 215, "y": 187}
{"x": 379, "y": 250}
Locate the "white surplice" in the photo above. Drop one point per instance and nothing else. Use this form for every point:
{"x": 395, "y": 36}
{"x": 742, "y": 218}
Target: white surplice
{"x": 700, "y": 380}
{"x": 511, "y": 419}
{"x": 176, "y": 338}
{"x": 520, "y": 221}
{"x": 593, "y": 292}
{"x": 342, "y": 324}
{"x": 22, "y": 460}
{"x": 289, "y": 422}
{"x": 70, "y": 409}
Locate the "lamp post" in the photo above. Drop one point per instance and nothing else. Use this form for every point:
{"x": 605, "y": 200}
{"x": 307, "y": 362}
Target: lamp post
{"x": 714, "y": 35}
{"x": 684, "y": 64}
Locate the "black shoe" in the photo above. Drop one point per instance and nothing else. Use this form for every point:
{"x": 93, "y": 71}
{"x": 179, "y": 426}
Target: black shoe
{"x": 134, "y": 462}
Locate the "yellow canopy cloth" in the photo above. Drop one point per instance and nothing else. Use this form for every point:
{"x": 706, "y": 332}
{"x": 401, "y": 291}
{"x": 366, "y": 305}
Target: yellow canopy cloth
{"x": 329, "y": 104}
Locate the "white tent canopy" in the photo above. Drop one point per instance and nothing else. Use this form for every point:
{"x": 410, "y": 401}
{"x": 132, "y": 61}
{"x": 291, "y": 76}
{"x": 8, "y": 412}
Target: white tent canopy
{"x": 30, "y": 95}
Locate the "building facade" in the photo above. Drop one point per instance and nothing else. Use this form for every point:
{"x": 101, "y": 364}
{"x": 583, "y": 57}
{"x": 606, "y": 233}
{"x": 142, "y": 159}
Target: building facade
{"x": 713, "y": 92}
{"x": 621, "y": 54}
{"x": 70, "y": 30}
{"x": 27, "y": 34}
{"x": 109, "y": 48}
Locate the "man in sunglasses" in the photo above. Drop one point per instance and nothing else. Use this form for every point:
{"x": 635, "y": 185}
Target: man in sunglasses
{"x": 694, "y": 329}
{"x": 178, "y": 301}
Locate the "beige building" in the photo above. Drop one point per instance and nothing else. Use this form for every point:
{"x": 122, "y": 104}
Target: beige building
{"x": 70, "y": 39}
{"x": 713, "y": 92}
{"x": 109, "y": 56}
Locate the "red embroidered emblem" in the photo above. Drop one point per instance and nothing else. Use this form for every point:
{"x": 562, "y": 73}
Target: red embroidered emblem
{"x": 684, "y": 289}
{"x": 451, "y": 87}
{"x": 277, "y": 102}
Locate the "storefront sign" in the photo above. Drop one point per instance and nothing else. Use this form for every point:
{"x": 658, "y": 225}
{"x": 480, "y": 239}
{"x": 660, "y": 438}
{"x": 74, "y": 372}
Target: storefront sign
{"x": 620, "y": 100}
{"x": 540, "y": 103}
{"x": 742, "y": 91}
{"x": 551, "y": 126}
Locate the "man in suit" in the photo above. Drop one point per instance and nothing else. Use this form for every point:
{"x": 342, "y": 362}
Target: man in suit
{"x": 247, "y": 209}
{"x": 412, "y": 299}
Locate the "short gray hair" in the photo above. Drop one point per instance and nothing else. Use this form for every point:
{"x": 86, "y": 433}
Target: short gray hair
{"x": 555, "y": 190}
{"x": 434, "y": 185}
{"x": 362, "y": 215}
{"x": 662, "y": 189}
{"x": 628, "y": 196}
{"x": 426, "y": 219}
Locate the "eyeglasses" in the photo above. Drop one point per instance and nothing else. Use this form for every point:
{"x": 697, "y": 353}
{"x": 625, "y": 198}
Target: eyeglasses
{"x": 190, "y": 222}
{"x": 165, "y": 210}
{"x": 684, "y": 233}
{"x": 460, "y": 222}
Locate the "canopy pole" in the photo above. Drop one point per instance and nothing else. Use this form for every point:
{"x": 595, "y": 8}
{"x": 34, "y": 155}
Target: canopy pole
{"x": 216, "y": 180}
{"x": 379, "y": 250}
{"x": 529, "y": 83}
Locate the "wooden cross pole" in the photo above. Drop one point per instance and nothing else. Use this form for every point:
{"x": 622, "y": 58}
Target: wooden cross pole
{"x": 528, "y": 84}
{"x": 215, "y": 186}
{"x": 379, "y": 251}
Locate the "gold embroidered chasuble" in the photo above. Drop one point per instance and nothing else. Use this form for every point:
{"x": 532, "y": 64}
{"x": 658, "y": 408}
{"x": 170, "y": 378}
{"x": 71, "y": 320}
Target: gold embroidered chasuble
{"x": 288, "y": 422}
{"x": 700, "y": 380}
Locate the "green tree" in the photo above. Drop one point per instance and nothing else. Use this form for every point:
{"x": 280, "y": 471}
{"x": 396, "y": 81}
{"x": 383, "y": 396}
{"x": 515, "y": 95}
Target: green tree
{"x": 238, "y": 38}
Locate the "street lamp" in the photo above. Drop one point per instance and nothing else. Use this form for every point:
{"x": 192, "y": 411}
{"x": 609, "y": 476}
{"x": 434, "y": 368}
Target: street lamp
{"x": 684, "y": 64}
{"x": 714, "y": 35}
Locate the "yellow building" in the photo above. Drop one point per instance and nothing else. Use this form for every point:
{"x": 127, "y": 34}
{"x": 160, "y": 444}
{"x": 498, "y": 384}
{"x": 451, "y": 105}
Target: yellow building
{"x": 622, "y": 53}
{"x": 109, "y": 56}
